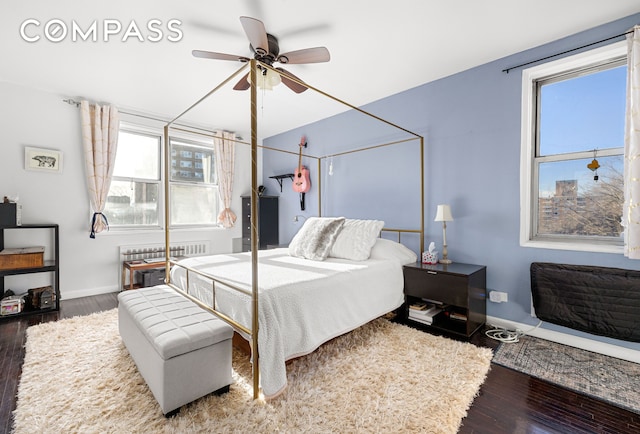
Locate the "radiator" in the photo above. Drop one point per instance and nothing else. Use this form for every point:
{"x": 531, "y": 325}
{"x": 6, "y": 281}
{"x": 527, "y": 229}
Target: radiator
{"x": 598, "y": 300}
{"x": 150, "y": 251}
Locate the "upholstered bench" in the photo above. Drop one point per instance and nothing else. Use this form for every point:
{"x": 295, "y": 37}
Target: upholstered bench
{"x": 182, "y": 351}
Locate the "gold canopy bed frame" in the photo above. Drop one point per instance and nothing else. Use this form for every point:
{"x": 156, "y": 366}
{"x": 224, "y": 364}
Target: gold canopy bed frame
{"x": 254, "y": 66}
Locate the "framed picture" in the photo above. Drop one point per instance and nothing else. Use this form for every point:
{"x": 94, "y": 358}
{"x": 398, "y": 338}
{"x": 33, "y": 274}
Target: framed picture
{"x": 46, "y": 160}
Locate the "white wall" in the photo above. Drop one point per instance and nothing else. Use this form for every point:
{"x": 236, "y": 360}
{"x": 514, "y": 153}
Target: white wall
{"x": 30, "y": 117}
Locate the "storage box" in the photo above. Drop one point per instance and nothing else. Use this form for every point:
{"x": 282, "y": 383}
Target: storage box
{"x": 40, "y": 298}
{"x": 11, "y": 305}
{"x": 21, "y": 257}
{"x": 10, "y": 215}
{"x": 152, "y": 278}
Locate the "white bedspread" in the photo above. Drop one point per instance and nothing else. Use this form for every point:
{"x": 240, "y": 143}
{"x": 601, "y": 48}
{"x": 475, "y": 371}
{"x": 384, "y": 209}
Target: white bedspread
{"x": 302, "y": 303}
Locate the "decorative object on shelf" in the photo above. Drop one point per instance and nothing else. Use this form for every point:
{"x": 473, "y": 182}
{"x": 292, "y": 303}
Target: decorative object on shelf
{"x": 21, "y": 257}
{"x": 9, "y": 199}
{"x": 594, "y": 165}
{"x": 10, "y": 212}
{"x": 40, "y": 298}
{"x": 443, "y": 214}
{"x": 40, "y": 159}
{"x": 261, "y": 190}
{"x": 11, "y": 305}
{"x": 430, "y": 257}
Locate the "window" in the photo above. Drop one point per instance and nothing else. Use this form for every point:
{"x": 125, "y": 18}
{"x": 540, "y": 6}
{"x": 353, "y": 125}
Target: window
{"x": 135, "y": 195}
{"x": 194, "y": 189}
{"x": 135, "y": 190}
{"x": 573, "y": 113}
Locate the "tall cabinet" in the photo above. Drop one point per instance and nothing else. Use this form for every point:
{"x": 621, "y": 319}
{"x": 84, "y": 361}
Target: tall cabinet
{"x": 50, "y": 266}
{"x": 267, "y": 220}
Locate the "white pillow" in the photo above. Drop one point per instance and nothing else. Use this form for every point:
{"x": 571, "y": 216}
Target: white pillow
{"x": 315, "y": 238}
{"x": 356, "y": 239}
{"x": 390, "y": 250}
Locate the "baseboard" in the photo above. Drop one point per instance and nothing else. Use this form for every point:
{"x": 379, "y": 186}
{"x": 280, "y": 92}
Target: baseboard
{"x": 89, "y": 292}
{"x": 570, "y": 340}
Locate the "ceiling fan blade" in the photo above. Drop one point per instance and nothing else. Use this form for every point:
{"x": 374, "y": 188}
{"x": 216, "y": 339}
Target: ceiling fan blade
{"x": 218, "y": 56}
{"x": 256, "y": 33}
{"x": 307, "y": 55}
{"x": 293, "y": 85}
{"x": 243, "y": 84}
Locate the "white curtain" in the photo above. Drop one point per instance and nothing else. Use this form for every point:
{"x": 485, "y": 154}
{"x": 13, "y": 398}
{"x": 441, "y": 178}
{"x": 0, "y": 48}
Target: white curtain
{"x": 225, "y": 155}
{"x": 631, "y": 210}
{"x": 100, "y": 126}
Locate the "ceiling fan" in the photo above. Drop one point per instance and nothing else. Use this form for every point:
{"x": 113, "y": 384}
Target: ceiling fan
{"x": 266, "y": 49}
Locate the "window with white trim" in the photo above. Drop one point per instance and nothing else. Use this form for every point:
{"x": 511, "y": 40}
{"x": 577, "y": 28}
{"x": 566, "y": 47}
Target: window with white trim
{"x": 573, "y": 144}
{"x": 136, "y": 192}
{"x": 193, "y": 184}
{"x": 134, "y": 196}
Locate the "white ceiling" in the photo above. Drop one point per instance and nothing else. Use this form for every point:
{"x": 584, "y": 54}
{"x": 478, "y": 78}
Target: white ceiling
{"x": 378, "y": 48}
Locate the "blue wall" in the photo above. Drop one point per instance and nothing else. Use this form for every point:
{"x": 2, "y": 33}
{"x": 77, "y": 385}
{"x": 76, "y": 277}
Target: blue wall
{"x": 471, "y": 124}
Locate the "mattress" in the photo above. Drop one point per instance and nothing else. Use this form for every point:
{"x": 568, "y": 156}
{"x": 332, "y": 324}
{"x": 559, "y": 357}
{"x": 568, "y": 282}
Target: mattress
{"x": 302, "y": 303}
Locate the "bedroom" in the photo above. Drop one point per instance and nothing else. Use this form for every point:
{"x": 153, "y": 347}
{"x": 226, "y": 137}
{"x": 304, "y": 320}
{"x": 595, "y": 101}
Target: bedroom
{"x": 482, "y": 187}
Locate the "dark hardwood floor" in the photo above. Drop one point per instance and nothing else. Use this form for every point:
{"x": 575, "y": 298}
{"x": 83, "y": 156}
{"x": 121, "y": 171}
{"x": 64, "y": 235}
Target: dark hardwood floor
{"x": 508, "y": 402}
{"x": 12, "y": 339}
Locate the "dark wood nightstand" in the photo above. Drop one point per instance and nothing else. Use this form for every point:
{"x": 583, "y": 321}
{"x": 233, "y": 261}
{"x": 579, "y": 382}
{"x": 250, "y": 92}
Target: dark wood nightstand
{"x": 460, "y": 289}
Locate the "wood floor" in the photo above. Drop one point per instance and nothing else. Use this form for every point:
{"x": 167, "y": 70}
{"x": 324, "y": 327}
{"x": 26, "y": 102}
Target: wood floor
{"x": 508, "y": 402}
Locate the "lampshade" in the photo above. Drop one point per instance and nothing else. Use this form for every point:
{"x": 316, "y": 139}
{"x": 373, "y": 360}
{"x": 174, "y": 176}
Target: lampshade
{"x": 266, "y": 81}
{"x": 443, "y": 214}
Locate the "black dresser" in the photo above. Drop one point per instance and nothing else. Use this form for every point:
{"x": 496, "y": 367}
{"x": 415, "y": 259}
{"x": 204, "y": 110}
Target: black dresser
{"x": 268, "y": 222}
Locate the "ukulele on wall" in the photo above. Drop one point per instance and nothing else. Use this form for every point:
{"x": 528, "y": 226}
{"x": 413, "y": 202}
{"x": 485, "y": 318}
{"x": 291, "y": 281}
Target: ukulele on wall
{"x": 301, "y": 182}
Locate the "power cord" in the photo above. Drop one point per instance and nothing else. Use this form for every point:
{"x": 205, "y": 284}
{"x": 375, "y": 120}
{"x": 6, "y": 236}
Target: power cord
{"x": 508, "y": 336}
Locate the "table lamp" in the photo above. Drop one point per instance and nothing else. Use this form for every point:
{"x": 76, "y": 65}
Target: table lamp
{"x": 443, "y": 214}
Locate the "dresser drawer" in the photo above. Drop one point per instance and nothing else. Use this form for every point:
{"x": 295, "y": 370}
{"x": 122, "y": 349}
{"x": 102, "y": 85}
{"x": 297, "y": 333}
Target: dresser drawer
{"x": 267, "y": 221}
{"x": 246, "y": 218}
{"x": 435, "y": 285}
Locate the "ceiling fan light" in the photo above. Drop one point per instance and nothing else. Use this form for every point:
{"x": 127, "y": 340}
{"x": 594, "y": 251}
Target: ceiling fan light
{"x": 272, "y": 78}
{"x": 267, "y": 79}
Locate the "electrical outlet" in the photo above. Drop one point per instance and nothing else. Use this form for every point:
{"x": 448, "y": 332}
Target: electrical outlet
{"x": 498, "y": 297}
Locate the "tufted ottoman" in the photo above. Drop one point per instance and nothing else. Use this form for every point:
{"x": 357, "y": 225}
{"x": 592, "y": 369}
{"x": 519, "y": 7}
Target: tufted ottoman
{"x": 182, "y": 351}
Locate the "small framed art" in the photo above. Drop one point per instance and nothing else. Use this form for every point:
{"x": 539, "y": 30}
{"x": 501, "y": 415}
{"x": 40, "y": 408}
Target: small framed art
{"x": 46, "y": 160}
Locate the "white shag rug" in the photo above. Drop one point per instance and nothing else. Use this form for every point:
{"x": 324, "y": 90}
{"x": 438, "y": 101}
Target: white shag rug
{"x": 383, "y": 377}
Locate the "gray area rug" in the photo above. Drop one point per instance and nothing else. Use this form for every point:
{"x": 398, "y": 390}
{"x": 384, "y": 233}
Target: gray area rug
{"x": 607, "y": 378}
{"x": 78, "y": 377}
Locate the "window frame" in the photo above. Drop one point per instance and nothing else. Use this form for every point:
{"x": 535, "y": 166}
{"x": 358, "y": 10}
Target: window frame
{"x": 529, "y": 160}
{"x": 215, "y": 186}
{"x": 132, "y": 127}
{"x": 150, "y": 132}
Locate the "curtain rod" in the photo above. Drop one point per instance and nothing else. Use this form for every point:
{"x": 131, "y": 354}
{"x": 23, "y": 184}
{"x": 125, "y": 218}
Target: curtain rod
{"x": 567, "y": 51}
{"x": 72, "y": 101}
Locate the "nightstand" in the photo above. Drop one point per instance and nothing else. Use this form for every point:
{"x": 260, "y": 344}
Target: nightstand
{"x": 459, "y": 289}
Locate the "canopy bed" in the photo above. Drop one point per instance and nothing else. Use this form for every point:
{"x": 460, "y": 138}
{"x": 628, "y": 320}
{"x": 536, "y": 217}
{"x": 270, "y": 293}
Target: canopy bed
{"x": 288, "y": 301}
